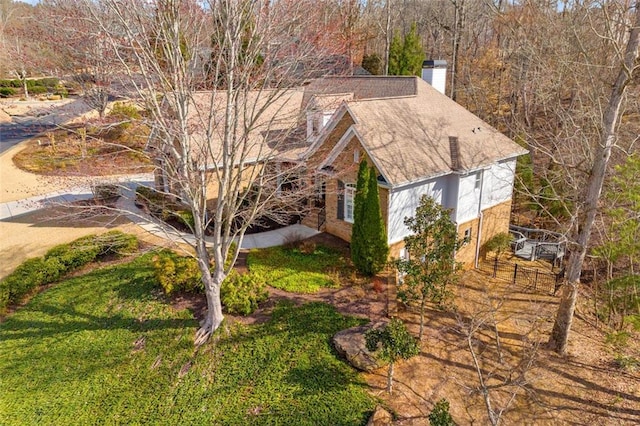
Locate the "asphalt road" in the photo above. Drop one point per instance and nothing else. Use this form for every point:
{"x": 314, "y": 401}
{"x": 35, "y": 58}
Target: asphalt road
{"x": 22, "y": 129}
{"x": 42, "y": 118}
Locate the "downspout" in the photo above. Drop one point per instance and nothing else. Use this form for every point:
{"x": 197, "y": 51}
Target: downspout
{"x": 481, "y": 216}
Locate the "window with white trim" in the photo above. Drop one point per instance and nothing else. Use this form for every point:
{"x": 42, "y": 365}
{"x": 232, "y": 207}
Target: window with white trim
{"x": 349, "y": 194}
{"x": 403, "y": 255}
{"x": 478, "y": 180}
{"x": 467, "y": 236}
{"x": 356, "y": 155}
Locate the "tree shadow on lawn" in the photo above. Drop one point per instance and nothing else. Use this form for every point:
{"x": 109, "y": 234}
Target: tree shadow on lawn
{"x": 28, "y": 329}
{"x": 319, "y": 377}
{"x": 70, "y": 315}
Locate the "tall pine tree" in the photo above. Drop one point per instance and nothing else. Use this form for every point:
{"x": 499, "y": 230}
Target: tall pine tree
{"x": 395, "y": 55}
{"x": 374, "y": 227}
{"x": 406, "y": 55}
{"x": 369, "y": 248}
{"x": 358, "y": 236}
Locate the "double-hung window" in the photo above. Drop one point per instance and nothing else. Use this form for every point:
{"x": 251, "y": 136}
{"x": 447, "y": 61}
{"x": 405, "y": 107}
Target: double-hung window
{"x": 349, "y": 194}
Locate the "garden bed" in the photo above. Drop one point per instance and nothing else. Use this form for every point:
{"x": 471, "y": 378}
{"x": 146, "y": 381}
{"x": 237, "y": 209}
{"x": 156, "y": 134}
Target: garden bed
{"x": 177, "y": 215}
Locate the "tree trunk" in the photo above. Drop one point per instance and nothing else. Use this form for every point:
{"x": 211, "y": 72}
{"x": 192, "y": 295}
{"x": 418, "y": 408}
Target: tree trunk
{"x": 564, "y": 317}
{"x": 212, "y": 282}
{"x": 421, "y": 320}
{"x": 213, "y": 316}
{"x": 390, "y": 378}
{"x": 23, "y": 79}
{"x": 387, "y": 39}
{"x": 458, "y": 26}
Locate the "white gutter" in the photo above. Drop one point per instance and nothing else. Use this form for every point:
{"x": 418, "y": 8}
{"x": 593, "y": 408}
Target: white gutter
{"x": 481, "y": 216}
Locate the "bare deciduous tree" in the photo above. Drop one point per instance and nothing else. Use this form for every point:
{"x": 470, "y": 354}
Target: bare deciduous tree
{"x": 501, "y": 371}
{"x": 627, "y": 56}
{"x": 229, "y": 138}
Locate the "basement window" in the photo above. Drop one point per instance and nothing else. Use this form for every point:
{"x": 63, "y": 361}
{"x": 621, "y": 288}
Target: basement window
{"x": 467, "y": 236}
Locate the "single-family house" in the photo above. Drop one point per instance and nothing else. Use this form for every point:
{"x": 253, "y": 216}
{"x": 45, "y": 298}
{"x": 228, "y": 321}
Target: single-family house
{"x": 418, "y": 140}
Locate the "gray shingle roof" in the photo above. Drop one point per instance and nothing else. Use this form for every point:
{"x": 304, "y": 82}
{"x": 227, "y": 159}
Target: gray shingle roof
{"x": 362, "y": 87}
{"x": 408, "y": 137}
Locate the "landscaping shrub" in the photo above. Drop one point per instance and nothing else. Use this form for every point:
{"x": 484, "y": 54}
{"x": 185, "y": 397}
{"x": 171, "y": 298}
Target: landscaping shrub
{"x": 106, "y": 192}
{"x": 116, "y": 243}
{"x": 440, "y": 415}
{"x": 61, "y": 91}
{"x": 123, "y": 111}
{"x": 155, "y": 201}
{"x": 5, "y": 92}
{"x": 37, "y": 90}
{"x": 186, "y": 217}
{"x": 49, "y": 82}
{"x": 29, "y": 275}
{"x": 73, "y": 255}
{"x": 163, "y": 207}
{"x": 307, "y": 247}
{"x": 241, "y": 293}
{"x": 177, "y": 273}
{"x": 498, "y": 244}
{"x": 61, "y": 260}
{"x": 125, "y": 114}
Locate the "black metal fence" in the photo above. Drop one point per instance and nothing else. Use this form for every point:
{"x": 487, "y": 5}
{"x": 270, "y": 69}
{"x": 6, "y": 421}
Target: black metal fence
{"x": 529, "y": 279}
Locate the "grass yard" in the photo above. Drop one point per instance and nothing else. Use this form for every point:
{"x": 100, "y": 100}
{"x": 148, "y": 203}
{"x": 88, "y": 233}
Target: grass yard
{"x": 293, "y": 270}
{"x": 106, "y": 347}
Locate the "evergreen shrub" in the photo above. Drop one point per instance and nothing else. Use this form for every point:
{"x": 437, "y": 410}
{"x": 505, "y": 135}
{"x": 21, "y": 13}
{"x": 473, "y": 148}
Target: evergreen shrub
{"x": 241, "y": 293}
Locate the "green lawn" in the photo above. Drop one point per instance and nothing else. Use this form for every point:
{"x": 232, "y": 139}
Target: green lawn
{"x": 291, "y": 270}
{"x": 106, "y": 348}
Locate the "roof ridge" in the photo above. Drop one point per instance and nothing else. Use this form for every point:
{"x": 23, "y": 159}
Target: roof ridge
{"x": 369, "y": 77}
{"x": 385, "y": 98}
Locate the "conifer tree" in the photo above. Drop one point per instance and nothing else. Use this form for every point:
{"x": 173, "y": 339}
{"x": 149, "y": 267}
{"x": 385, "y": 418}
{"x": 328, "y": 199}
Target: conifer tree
{"x": 358, "y": 235}
{"x": 406, "y": 54}
{"x": 369, "y": 248}
{"x": 413, "y": 53}
{"x": 395, "y": 55}
{"x": 377, "y": 247}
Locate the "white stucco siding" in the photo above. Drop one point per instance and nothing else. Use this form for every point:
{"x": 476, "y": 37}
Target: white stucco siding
{"x": 403, "y": 203}
{"x": 468, "y": 197}
{"x": 498, "y": 183}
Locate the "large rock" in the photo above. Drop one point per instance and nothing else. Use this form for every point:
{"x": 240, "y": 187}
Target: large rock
{"x": 351, "y": 345}
{"x": 380, "y": 417}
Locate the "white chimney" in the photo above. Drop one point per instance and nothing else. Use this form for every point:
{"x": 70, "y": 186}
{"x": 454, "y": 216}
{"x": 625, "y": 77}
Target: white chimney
{"x": 434, "y": 72}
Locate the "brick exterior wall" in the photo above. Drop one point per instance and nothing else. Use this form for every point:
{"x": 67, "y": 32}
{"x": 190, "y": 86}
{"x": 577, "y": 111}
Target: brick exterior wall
{"x": 346, "y": 170}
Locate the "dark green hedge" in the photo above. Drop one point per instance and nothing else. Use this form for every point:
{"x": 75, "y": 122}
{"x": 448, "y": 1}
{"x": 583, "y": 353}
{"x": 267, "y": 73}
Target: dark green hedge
{"x": 5, "y": 92}
{"x": 61, "y": 260}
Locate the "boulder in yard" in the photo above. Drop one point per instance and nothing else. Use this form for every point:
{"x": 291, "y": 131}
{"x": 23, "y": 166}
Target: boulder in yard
{"x": 380, "y": 417}
{"x": 351, "y": 345}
